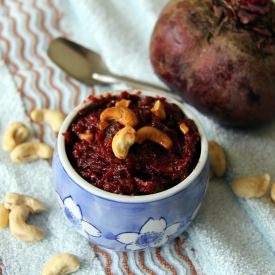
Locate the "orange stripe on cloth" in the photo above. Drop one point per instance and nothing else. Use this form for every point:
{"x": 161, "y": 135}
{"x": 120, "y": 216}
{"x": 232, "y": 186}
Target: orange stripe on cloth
{"x": 58, "y": 17}
{"x": 42, "y": 19}
{"x": 16, "y": 34}
{"x": 142, "y": 264}
{"x": 23, "y": 57}
{"x": 177, "y": 246}
{"x": 14, "y": 71}
{"x": 40, "y": 58}
{"x": 165, "y": 263}
{"x": 107, "y": 258}
{"x": 76, "y": 89}
{"x": 125, "y": 264}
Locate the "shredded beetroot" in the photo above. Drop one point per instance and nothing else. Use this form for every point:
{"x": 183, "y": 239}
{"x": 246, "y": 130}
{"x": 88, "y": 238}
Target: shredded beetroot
{"x": 148, "y": 167}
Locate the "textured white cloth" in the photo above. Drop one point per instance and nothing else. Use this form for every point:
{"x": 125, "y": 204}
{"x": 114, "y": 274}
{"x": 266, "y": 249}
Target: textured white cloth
{"x": 25, "y": 258}
{"x": 230, "y": 236}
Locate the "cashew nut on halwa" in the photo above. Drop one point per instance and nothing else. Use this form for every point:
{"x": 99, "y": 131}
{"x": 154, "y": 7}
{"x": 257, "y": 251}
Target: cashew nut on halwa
{"x": 4, "y": 216}
{"x": 63, "y": 263}
{"x": 52, "y": 117}
{"x": 20, "y": 229}
{"x": 123, "y": 103}
{"x": 122, "y": 141}
{"x": 155, "y": 135}
{"x": 251, "y": 187}
{"x": 13, "y": 199}
{"x": 272, "y": 192}
{"x": 124, "y": 116}
{"x": 16, "y": 133}
{"x": 159, "y": 110}
{"x": 184, "y": 128}
{"x": 29, "y": 151}
{"x": 216, "y": 158}
{"x": 86, "y": 136}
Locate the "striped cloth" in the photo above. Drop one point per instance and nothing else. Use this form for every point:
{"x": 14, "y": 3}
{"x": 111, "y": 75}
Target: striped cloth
{"x": 230, "y": 236}
{"x": 27, "y": 27}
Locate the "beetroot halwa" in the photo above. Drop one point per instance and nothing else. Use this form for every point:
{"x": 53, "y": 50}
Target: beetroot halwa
{"x": 148, "y": 167}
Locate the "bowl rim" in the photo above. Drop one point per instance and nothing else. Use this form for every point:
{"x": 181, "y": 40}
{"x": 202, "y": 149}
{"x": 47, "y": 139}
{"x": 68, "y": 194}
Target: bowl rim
{"x": 130, "y": 198}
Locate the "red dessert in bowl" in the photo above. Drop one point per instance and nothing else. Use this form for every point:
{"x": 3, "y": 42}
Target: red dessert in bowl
{"x": 165, "y": 150}
{"x": 131, "y": 169}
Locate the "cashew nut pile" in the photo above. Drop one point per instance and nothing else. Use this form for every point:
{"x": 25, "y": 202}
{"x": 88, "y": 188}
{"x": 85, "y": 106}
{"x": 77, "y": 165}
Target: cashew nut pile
{"x": 127, "y": 136}
{"x": 21, "y": 151}
{"x": 15, "y": 211}
{"x": 60, "y": 264}
{"x": 52, "y": 117}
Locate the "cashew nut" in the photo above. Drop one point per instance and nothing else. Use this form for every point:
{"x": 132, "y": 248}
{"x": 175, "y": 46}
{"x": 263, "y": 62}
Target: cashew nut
{"x": 184, "y": 128}
{"x": 122, "y": 141}
{"x": 251, "y": 187}
{"x": 28, "y": 151}
{"x": 4, "y": 216}
{"x": 53, "y": 117}
{"x": 123, "y": 103}
{"x": 86, "y": 136}
{"x": 124, "y": 116}
{"x": 155, "y": 135}
{"x": 18, "y": 227}
{"x": 216, "y": 158}
{"x": 63, "y": 263}
{"x": 159, "y": 110}
{"x": 13, "y": 199}
{"x": 16, "y": 133}
{"x": 272, "y": 192}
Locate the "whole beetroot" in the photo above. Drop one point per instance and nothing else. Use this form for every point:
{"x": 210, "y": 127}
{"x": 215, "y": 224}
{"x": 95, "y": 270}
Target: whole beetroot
{"x": 219, "y": 55}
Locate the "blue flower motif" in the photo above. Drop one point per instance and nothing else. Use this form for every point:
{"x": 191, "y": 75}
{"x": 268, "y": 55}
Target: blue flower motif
{"x": 153, "y": 233}
{"x": 74, "y": 214}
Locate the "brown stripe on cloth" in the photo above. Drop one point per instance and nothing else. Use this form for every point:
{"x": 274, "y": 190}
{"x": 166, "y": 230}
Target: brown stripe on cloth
{"x": 177, "y": 246}
{"x": 125, "y": 264}
{"x": 14, "y": 71}
{"x": 42, "y": 19}
{"x": 58, "y": 17}
{"x": 24, "y": 59}
{"x": 76, "y": 89}
{"x": 165, "y": 263}
{"x": 6, "y": 57}
{"x": 107, "y": 258}
{"x": 32, "y": 33}
{"x": 142, "y": 263}
{"x": 60, "y": 95}
{"x": 15, "y": 33}
{"x": 39, "y": 57}
{"x": 52, "y": 72}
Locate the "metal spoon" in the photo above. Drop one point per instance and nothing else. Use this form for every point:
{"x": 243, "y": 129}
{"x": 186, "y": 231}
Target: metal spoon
{"x": 88, "y": 67}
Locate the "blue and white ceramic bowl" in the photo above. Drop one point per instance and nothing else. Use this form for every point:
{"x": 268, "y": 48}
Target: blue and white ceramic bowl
{"x": 127, "y": 223}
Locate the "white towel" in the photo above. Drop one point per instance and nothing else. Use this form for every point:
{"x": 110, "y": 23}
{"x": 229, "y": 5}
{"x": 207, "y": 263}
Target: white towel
{"x": 230, "y": 235}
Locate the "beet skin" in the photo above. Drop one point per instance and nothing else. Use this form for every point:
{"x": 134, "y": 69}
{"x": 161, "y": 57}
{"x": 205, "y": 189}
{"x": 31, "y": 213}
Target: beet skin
{"x": 219, "y": 55}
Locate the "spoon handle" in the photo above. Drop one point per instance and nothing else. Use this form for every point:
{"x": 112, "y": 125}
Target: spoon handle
{"x": 136, "y": 84}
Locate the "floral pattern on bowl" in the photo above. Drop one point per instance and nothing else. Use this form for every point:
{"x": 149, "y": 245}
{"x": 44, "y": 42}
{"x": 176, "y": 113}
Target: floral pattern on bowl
{"x": 74, "y": 214}
{"x": 153, "y": 233}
